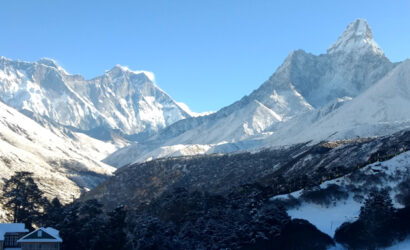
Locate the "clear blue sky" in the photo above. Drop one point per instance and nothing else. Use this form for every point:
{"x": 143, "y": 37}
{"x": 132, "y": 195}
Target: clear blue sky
{"x": 207, "y": 54}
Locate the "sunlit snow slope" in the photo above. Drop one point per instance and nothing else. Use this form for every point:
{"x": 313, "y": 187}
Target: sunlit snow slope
{"x": 62, "y": 165}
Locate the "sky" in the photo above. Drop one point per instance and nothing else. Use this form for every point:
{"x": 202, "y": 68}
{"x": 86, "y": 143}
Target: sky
{"x": 207, "y": 54}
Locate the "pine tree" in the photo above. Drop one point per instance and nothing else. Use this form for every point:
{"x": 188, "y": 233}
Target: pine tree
{"x": 54, "y": 214}
{"x": 377, "y": 207}
{"x": 23, "y": 198}
{"x": 70, "y": 227}
{"x": 114, "y": 236}
{"x": 377, "y": 217}
{"x": 92, "y": 225}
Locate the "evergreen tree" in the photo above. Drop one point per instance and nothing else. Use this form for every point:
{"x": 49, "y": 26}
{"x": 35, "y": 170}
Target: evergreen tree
{"x": 70, "y": 227}
{"x": 114, "y": 236}
{"x": 117, "y": 225}
{"x": 377, "y": 217}
{"x": 92, "y": 225}
{"x": 378, "y": 205}
{"x": 90, "y": 209}
{"x": 23, "y": 198}
{"x": 83, "y": 226}
{"x": 54, "y": 214}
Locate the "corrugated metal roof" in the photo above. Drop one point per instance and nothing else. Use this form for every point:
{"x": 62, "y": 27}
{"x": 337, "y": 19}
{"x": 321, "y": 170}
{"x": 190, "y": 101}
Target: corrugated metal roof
{"x": 11, "y": 228}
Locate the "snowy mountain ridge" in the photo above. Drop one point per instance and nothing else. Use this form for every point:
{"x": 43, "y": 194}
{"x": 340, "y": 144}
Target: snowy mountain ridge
{"x": 381, "y": 110}
{"x": 121, "y": 99}
{"x": 303, "y": 86}
{"x": 148, "y": 74}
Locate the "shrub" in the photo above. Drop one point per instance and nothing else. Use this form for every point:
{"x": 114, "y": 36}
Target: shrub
{"x": 403, "y": 197}
{"x": 300, "y": 234}
{"x": 289, "y": 202}
{"x": 352, "y": 235}
{"x": 324, "y": 196}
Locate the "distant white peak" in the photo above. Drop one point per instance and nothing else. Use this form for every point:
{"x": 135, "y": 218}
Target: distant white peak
{"x": 48, "y": 61}
{"x": 148, "y": 74}
{"x": 8, "y": 60}
{"x": 51, "y": 63}
{"x": 185, "y": 107}
{"x": 357, "y": 38}
{"x": 344, "y": 99}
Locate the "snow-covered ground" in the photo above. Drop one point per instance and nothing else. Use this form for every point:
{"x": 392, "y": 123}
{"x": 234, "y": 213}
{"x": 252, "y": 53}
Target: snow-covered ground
{"x": 328, "y": 218}
{"x": 403, "y": 245}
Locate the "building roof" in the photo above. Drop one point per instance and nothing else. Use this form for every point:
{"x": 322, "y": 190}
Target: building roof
{"x": 11, "y": 228}
{"x": 42, "y": 234}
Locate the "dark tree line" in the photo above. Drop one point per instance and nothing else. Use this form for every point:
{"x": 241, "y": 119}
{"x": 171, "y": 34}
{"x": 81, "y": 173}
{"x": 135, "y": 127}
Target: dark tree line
{"x": 180, "y": 219}
{"x": 177, "y": 219}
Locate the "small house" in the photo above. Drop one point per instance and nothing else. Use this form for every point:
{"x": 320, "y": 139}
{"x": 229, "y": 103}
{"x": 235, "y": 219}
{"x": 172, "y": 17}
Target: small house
{"x": 9, "y": 235}
{"x": 41, "y": 239}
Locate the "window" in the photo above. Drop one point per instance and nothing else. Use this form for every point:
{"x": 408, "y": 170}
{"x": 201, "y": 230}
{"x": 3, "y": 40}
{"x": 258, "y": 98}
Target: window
{"x": 10, "y": 240}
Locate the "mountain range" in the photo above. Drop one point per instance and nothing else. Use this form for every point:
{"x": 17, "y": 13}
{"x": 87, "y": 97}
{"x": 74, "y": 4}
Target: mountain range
{"x": 123, "y": 117}
{"x": 292, "y": 106}
{"x": 317, "y": 137}
{"x": 120, "y": 100}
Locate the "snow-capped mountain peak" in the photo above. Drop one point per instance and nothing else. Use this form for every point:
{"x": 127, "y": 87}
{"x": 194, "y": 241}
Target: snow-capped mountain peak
{"x": 303, "y": 90}
{"x": 117, "y": 69}
{"x": 48, "y": 62}
{"x": 51, "y": 63}
{"x": 356, "y": 38}
{"x": 121, "y": 99}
